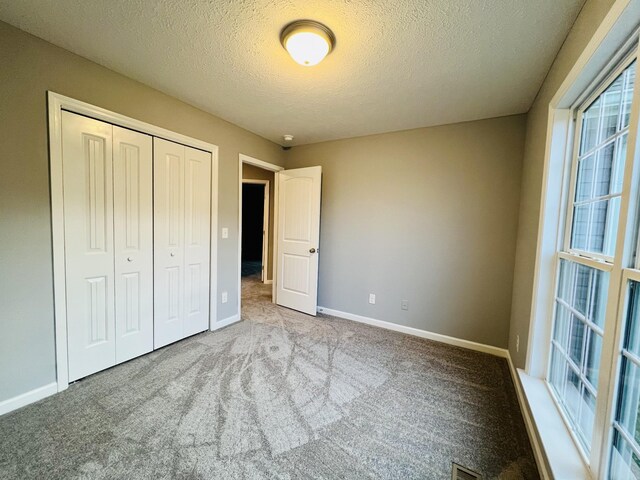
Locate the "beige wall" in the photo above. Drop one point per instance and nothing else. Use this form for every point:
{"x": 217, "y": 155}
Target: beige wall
{"x": 251, "y": 172}
{"x": 587, "y": 22}
{"x": 427, "y": 215}
{"x": 30, "y": 67}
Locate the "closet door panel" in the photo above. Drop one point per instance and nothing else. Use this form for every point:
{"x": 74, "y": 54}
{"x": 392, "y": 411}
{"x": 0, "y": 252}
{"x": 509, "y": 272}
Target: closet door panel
{"x": 89, "y": 248}
{"x": 197, "y": 240}
{"x": 133, "y": 240}
{"x": 169, "y": 288}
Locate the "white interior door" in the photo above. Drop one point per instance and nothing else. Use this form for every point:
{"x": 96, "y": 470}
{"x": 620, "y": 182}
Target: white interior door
{"x": 197, "y": 240}
{"x": 88, "y": 222}
{"x": 168, "y": 232}
{"x": 298, "y": 238}
{"x": 133, "y": 239}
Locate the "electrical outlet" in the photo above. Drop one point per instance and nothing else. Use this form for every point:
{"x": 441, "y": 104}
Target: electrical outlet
{"x": 372, "y": 298}
{"x": 517, "y": 343}
{"x": 404, "y": 304}
{"x": 225, "y": 297}
{"x": 225, "y": 232}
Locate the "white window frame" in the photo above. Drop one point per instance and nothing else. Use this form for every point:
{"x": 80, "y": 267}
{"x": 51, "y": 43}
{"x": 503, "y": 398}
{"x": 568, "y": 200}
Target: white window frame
{"x": 597, "y": 460}
{"x": 563, "y": 457}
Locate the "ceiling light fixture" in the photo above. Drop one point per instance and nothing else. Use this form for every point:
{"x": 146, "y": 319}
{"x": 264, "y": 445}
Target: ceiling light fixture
{"x": 307, "y": 41}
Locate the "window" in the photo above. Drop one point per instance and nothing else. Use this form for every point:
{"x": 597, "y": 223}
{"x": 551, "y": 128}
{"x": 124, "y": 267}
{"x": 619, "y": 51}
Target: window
{"x": 577, "y": 343}
{"x": 595, "y": 274}
{"x": 600, "y": 168}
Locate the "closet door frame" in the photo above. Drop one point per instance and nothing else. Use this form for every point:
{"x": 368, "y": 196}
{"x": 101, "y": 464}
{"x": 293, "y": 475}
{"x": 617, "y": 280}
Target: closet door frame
{"x": 56, "y": 104}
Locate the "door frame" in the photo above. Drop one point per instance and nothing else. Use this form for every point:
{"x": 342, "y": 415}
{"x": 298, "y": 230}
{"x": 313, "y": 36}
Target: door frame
{"x": 272, "y": 167}
{"x": 56, "y": 104}
{"x": 265, "y": 226}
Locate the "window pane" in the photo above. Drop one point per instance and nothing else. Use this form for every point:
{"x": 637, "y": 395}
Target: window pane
{"x": 604, "y": 166}
{"x": 621, "y": 155}
{"x": 593, "y": 352}
{"x": 630, "y": 395}
{"x": 587, "y": 415}
{"x": 580, "y": 227}
{"x": 561, "y": 327}
{"x": 566, "y": 281}
{"x": 598, "y": 289}
{"x": 581, "y": 296}
{"x": 595, "y": 226}
{"x": 611, "y": 100}
{"x": 589, "y": 132}
{"x": 611, "y": 226}
{"x": 625, "y": 465}
{"x": 577, "y": 333}
{"x": 577, "y": 347}
{"x": 600, "y": 168}
{"x": 584, "y": 289}
{"x": 586, "y": 170}
{"x": 557, "y": 374}
{"x": 630, "y": 77}
{"x": 627, "y": 418}
{"x": 596, "y": 236}
{"x": 632, "y": 331}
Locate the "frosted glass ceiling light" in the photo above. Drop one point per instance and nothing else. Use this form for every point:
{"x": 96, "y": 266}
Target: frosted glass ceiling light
{"x": 307, "y": 41}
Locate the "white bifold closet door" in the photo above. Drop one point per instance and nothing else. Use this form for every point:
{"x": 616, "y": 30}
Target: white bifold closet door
{"x": 182, "y": 223}
{"x": 108, "y": 243}
{"x": 133, "y": 242}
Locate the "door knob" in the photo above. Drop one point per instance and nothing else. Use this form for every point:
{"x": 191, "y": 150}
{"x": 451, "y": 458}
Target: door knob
{"x": 172, "y": 254}
{"x": 312, "y": 250}
{"x": 129, "y": 259}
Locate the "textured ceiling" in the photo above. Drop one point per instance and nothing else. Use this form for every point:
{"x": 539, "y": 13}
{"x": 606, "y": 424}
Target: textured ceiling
{"x": 397, "y": 64}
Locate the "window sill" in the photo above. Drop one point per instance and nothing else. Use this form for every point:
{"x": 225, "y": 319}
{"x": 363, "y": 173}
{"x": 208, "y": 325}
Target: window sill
{"x": 562, "y": 456}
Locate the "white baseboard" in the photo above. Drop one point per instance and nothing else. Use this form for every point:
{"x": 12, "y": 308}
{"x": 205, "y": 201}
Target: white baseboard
{"x": 268, "y": 282}
{"x": 458, "y": 342}
{"x": 226, "y": 322}
{"x": 529, "y": 423}
{"x": 26, "y": 398}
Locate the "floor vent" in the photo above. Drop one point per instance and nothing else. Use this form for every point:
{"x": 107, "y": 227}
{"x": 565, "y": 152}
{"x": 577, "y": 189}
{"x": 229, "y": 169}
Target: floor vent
{"x": 462, "y": 473}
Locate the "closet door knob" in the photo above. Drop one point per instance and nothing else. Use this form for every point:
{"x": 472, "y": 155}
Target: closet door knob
{"x": 129, "y": 259}
{"x": 172, "y": 254}
{"x": 312, "y": 250}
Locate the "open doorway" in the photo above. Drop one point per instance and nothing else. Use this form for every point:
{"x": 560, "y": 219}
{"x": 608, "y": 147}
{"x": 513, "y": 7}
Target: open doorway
{"x": 258, "y": 191}
{"x": 256, "y": 229}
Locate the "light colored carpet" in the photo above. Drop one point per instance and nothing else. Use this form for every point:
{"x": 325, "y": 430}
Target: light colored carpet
{"x": 280, "y": 395}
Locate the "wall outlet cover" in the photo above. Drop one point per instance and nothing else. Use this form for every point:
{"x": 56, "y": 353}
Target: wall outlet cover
{"x": 372, "y": 298}
{"x": 225, "y": 297}
{"x": 404, "y": 304}
{"x": 225, "y": 232}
